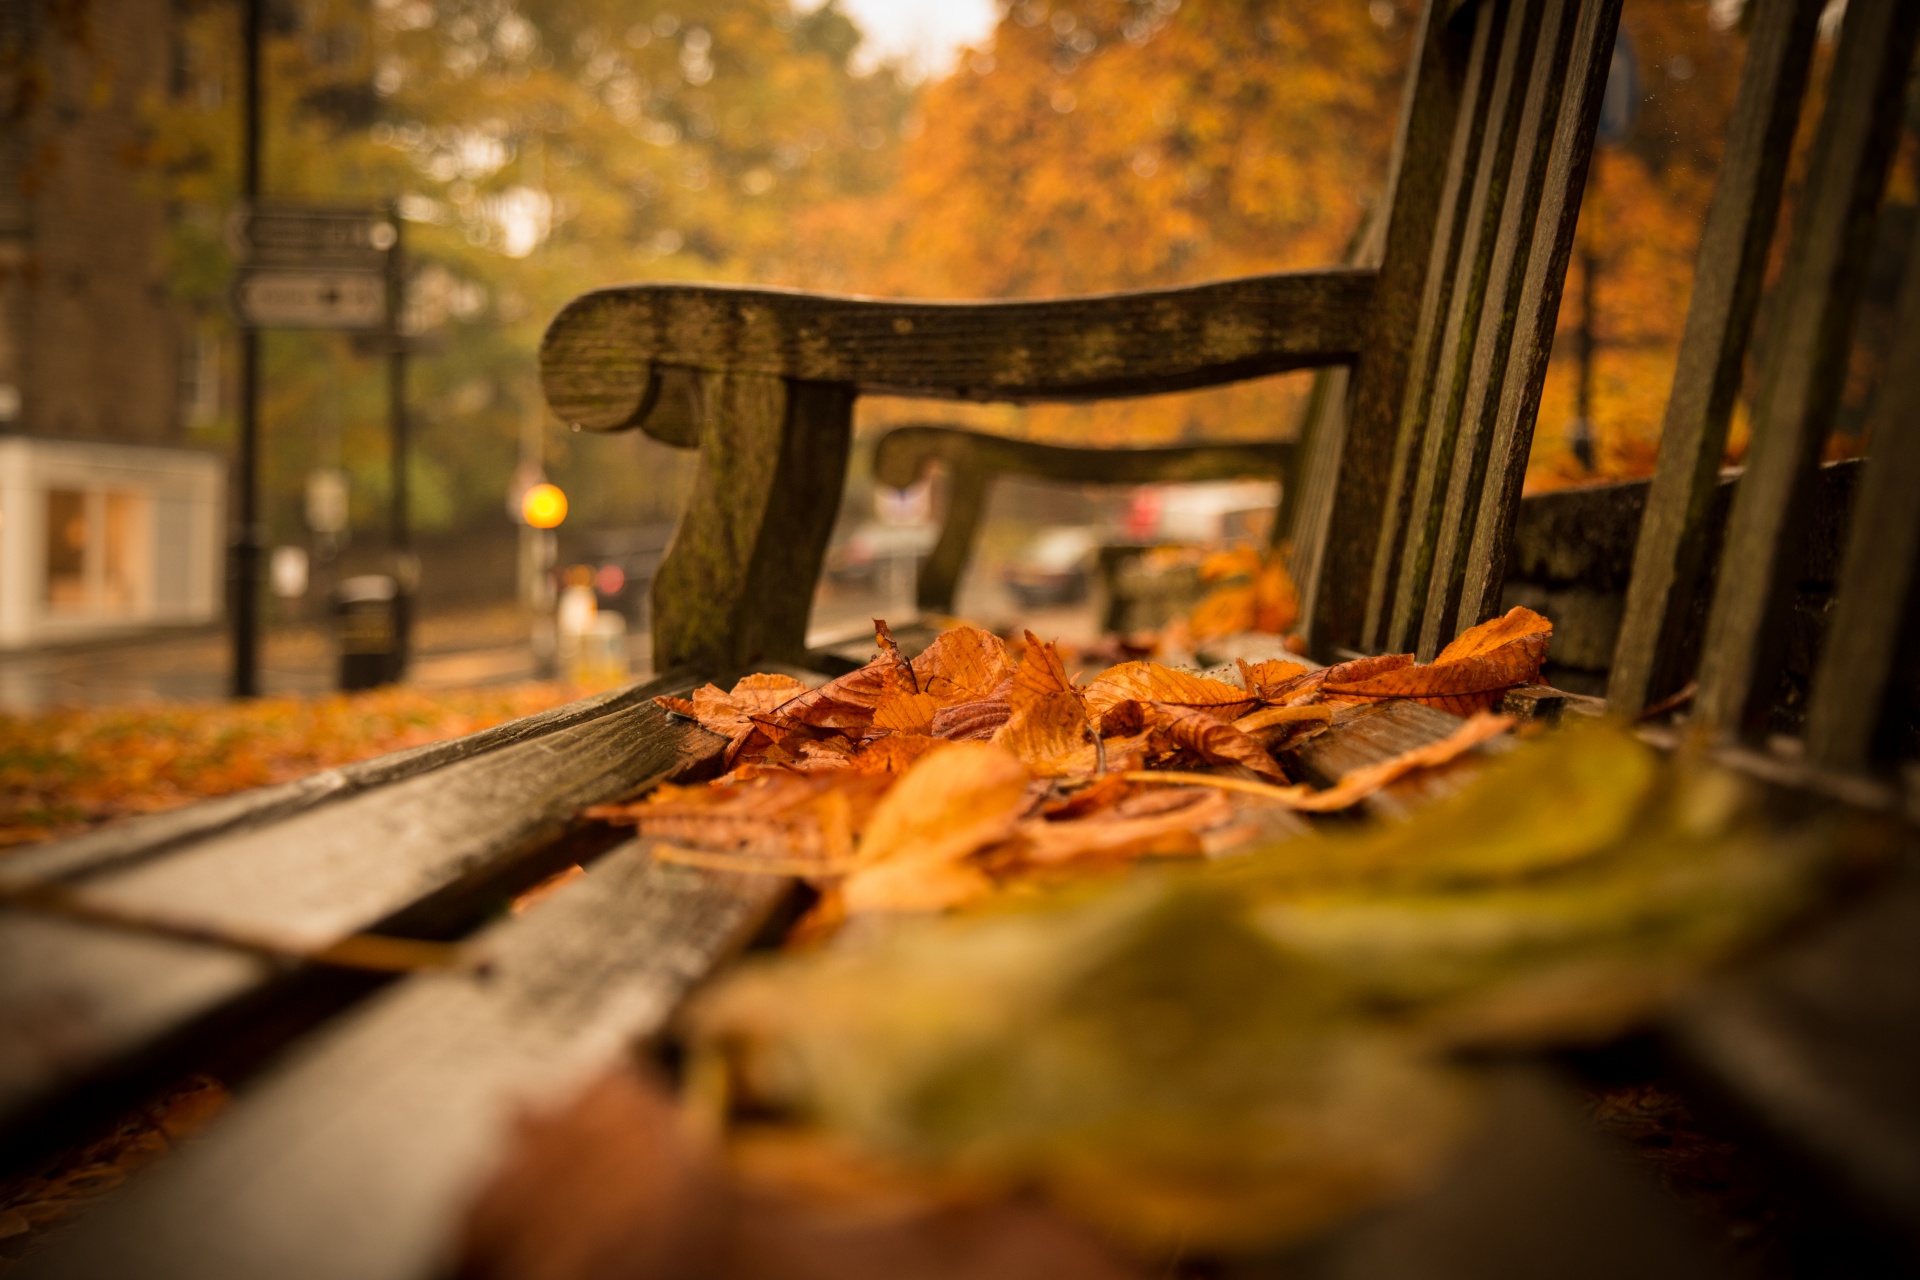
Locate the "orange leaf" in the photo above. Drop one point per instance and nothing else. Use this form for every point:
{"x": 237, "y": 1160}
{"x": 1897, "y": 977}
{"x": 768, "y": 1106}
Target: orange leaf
{"x": 906, "y": 713}
{"x": 958, "y": 798}
{"x": 1047, "y": 726}
{"x": 965, "y": 664}
{"x": 1471, "y": 673}
{"x": 1151, "y": 682}
{"x": 1140, "y": 825}
{"x": 1172, "y": 728}
{"x": 1258, "y": 677}
{"x": 731, "y": 714}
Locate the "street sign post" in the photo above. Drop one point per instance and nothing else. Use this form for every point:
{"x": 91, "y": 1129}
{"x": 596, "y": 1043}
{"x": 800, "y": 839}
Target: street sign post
{"x": 312, "y": 266}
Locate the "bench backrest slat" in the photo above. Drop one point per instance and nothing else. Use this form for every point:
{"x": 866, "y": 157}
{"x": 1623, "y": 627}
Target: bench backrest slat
{"x": 1851, "y": 698}
{"x": 1431, "y": 418}
{"x": 1806, "y": 362}
{"x": 1670, "y": 560}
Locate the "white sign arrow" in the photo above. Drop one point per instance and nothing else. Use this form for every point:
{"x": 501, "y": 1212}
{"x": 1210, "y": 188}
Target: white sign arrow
{"x": 281, "y": 298}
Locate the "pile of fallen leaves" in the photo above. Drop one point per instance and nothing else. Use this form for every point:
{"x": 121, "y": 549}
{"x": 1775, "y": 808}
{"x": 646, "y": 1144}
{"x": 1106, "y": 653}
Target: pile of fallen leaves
{"x": 927, "y": 783}
{"x": 63, "y": 771}
{"x": 1207, "y": 1059}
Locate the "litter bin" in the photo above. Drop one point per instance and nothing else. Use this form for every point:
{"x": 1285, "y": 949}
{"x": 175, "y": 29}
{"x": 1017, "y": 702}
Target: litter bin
{"x": 369, "y": 628}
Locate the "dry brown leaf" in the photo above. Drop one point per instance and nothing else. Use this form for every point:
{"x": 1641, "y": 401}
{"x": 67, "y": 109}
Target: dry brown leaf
{"x": 906, "y": 713}
{"x": 1307, "y": 687}
{"x": 787, "y": 820}
{"x": 847, "y": 703}
{"x": 1151, "y": 682}
{"x": 1047, "y": 727}
{"x": 1172, "y": 728}
{"x": 1160, "y": 824}
{"x": 964, "y": 664}
{"x": 1283, "y": 728}
{"x": 1470, "y": 674}
{"x": 1357, "y": 785}
{"x": 893, "y": 753}
{"x": 956, "y": 799}
{"x": 1257, "y": 677}
{"x": 731, "y": 714}
{"x": 971, "y": 721}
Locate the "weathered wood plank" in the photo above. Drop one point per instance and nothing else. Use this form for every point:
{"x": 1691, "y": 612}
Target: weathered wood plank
{"x": 1526, "y": 375}
{"x": 1493, "y": 336}
{"x": 1821, "y": 1044}
{"x": 356, "y": 1158}
{"x": 736, "y": 585}
{"x": 1342, "y": 528}
{"x": 1806, "y": 365}
{"x": 1480, "y": 92}
{"x": 123, "y": 843}
{"x": 1670, "y": 558}
{"x": 1402, "y": 599}
{"x": 598, "y": 356}
{"x": 1875, "y": 597}
{"x": 973, "y": 460}
{"x": 83, "y": 1002}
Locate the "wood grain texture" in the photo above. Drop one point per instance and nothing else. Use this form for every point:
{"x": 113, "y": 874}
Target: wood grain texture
{"x": 1397, "y": 624}
{"x": 974, "y": 460}
{"x": 1875, "y": 597}
{"x": 1344, "y": 527}
{"x": 1500, "y": 317}
{"x": 1479, "y": 89}
{"x": 736, "y": 584}
{"x": 598, "y": 356}
{"x": 1546, "y": 275}
{"x": 81, "y": 1002}
{"x": 1669, "y": 561}
{"x": 356, "y": 1157}
{"x": 1806, "y": 365}
{"x": 1821, "y": 1044}
{"x": 125, "y": 843}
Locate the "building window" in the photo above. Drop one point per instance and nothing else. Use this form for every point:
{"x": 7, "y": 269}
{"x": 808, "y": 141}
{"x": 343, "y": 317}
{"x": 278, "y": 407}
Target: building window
{"x": 97, "y": 552}
{"x": 66, "y": 551}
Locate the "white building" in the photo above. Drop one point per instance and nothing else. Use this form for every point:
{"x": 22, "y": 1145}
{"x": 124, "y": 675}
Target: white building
{"x": 98, "y": 538}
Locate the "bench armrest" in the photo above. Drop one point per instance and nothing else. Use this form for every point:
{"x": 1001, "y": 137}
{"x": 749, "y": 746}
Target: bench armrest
{"x": 601, "y": 354}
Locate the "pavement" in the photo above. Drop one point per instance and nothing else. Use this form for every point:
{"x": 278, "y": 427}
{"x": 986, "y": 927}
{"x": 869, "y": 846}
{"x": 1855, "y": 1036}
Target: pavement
{"x": 460, "y": 649}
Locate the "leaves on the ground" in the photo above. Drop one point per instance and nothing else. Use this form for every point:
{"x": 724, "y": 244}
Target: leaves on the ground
{"x": 62, "y": 771}
{"x": 1470, "y": 674}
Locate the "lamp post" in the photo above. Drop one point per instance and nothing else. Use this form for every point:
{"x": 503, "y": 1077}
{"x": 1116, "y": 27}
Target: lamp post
{"x": 243, "y": 560}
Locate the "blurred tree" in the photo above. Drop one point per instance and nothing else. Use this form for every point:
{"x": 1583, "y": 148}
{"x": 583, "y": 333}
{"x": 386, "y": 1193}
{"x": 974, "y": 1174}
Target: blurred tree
{"x": 536, "y": 148}
{"x": 1120, "y": 144}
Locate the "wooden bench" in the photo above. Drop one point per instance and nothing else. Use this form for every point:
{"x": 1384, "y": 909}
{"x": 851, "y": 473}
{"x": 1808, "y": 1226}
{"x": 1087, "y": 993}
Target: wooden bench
{"x": 368, "y": 1114}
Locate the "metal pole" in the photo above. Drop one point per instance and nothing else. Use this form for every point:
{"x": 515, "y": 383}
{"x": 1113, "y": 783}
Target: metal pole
{"x": 406, "y": 567}
{"x": 244, "y": 558}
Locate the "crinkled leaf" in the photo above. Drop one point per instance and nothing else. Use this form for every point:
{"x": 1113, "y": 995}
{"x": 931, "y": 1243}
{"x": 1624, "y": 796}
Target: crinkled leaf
{"x": 1470, "y": 674}
{"x": 1151, "y": 682}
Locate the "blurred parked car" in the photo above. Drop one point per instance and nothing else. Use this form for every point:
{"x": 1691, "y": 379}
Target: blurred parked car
{"x": 1054, "y": 568}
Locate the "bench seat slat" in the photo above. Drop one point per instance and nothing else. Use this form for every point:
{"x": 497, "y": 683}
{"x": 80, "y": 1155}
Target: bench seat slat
{"x": 98, "y": 998}
{"x": 356, "y": 1157}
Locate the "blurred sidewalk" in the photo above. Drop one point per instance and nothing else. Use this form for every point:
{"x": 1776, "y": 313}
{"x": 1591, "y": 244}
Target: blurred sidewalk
{"x": 466, "y": 648}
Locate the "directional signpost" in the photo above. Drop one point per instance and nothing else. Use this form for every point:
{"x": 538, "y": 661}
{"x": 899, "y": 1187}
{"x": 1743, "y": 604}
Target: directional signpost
{"x": 317, "y": 266}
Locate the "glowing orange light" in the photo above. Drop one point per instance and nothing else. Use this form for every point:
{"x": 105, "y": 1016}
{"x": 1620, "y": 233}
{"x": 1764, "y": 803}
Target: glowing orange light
{"x": 544, "y": 507}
